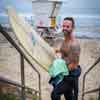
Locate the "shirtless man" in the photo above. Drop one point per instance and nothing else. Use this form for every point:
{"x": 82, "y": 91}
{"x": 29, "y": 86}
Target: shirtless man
{"x": 70, "y": 49}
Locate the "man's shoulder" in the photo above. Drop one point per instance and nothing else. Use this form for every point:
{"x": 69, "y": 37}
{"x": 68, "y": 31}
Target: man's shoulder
{"x": 75, "y": 42}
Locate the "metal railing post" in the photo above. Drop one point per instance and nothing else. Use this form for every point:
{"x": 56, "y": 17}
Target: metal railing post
{"x": 99, "y": 94}
{"x": 22, "y": 77}
{"x": 39, "y": 87}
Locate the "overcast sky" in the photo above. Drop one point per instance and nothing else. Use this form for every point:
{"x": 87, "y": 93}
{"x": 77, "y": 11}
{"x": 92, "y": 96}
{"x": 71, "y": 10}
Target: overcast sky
{"x": 82, "y": 7}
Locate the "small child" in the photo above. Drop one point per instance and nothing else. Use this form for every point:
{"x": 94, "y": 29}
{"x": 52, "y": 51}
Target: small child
{"x": 58, "y": 69}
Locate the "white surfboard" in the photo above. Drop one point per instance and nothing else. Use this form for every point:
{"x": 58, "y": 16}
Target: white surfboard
{"x": 36, "y": 49}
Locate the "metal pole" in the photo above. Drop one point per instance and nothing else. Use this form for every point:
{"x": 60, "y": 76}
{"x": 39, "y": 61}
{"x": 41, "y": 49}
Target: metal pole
{"x": 99, "y": 94}
{"x": 22, "y": 78}
{"x": 39, "y": 87}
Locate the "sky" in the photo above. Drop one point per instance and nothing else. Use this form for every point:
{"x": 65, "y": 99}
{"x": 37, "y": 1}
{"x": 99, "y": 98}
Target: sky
{"x": 76, "y": 8}
{"x": 23, "y": 6}
{"x": 88, "y": 7}
{"x": 81, "y": 7}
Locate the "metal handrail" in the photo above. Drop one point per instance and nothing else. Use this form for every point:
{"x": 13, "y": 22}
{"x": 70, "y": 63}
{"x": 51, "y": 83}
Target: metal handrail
{"x": 23, "y": 56}
{"x": 84, "y": 77}
{"x": 92, "y": 91}
{"x": 10, "y": 82}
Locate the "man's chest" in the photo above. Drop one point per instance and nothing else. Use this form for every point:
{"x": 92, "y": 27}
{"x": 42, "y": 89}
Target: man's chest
{"x": 69, "y": 49}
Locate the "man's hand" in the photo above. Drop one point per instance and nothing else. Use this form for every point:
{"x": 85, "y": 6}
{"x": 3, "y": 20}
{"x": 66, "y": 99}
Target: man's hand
{"x": 72, "y": 66}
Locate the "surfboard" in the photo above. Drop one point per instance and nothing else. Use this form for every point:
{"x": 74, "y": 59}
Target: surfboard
{"x": 36, "y": 49}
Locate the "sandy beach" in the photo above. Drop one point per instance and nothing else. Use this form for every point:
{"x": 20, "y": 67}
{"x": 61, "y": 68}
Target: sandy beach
{"x": 10, "y": 67}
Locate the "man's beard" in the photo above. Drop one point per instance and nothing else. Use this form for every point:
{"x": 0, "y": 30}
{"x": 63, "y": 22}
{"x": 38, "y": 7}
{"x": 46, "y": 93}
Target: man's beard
{"x": 67, "y": 33}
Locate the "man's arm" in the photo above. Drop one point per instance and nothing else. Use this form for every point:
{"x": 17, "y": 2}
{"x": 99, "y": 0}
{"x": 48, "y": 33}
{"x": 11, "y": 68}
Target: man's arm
{"x": 74, "y": 55}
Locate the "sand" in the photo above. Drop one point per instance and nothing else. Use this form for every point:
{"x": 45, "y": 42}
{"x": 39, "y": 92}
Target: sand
{"x": 10, "y": 67}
